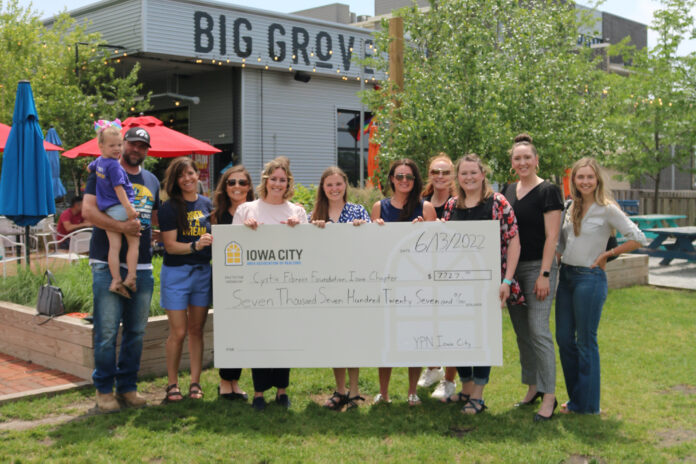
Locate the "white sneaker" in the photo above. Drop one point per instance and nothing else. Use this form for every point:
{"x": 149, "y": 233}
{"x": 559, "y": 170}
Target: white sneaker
{"x": 444, "y": 390}
{"x": 430, "y": 377}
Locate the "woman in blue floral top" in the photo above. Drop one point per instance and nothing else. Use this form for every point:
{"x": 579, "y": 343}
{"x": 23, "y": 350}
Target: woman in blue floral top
{"x": 476, "y": 201}
{"x": 331, "y": 206}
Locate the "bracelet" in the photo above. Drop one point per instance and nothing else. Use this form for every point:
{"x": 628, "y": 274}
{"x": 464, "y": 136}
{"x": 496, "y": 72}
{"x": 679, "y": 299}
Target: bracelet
{"x": 193, "y": 246}
{"x": 507, "y": 281}
{"x": 613, "y": 251}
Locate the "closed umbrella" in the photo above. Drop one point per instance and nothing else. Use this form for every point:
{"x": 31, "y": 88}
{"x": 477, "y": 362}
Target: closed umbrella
{"x": 25, "y": 186}
{"x": 5, "y": 132}
{"x": 54, "y": 160}
{"x": 164, "y": 142}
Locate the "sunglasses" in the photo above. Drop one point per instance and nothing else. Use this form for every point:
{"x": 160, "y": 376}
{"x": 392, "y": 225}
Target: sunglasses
{"x": 440, "y": 172}
{"x": 241, "y": 182}
{"x": 400, "y": 177}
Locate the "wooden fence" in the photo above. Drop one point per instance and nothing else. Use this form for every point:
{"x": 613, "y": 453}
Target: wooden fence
{"x": 669, "y": 202}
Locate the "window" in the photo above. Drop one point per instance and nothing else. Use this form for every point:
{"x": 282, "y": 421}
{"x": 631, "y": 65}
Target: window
{"x": 348, "y": 144}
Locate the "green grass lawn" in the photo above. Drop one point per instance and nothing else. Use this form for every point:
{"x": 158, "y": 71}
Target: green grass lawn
{"x": 647, "y": 342}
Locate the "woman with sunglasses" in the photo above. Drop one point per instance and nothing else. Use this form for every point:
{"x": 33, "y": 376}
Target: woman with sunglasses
{"x": 332, "y": 205}
{"x": 438, "y": 190}
{"x": 272, "y": 207}
{"x": 233, "y": 189}
{"x": 476, "y": 201}
{"x": 405, "y": 205}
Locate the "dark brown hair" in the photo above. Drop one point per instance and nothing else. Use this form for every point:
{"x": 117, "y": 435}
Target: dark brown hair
{"x": 221, "y": 201}
{"x": 321, "y": 204}
{"x": 523, "y": 139}
{"x": 171, "y": 186}
{"x": 414, "y": 195}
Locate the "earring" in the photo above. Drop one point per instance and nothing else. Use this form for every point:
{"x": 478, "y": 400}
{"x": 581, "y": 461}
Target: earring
{"x": 512, "y": 172}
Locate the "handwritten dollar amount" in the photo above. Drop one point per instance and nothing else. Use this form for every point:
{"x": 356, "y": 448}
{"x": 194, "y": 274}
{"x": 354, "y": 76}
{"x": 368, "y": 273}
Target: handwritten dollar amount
{"x": 433, "y": 242}
{"x": 460, "y": 275}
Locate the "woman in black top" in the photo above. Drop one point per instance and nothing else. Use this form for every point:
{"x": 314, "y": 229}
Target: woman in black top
{"x": 233, "y": 189}
{"x": 537, "y": 205}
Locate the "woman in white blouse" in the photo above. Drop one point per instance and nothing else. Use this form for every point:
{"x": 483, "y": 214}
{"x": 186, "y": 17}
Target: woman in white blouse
{"x": 582, "y": 287}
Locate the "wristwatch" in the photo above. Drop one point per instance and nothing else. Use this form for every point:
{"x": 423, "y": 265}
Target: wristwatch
{"x": 193, "y": 247}
{"x": 546, "y": 274}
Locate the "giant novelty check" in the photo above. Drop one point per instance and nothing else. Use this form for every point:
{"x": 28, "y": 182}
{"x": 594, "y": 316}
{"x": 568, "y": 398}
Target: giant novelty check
{"x": 401, "y": 294}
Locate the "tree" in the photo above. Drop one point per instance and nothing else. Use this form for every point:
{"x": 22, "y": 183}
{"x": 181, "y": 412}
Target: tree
{"x": 69, "y": 96}
{"x": 479, "y": 72}
{"x": 653, "y": 110}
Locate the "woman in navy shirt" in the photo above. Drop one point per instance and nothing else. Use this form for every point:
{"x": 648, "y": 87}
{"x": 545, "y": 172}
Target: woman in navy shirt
{"x": 185, "y": 279}
{"x": 405, "y": 205}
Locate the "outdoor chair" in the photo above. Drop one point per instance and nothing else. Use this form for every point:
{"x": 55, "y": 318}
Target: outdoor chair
{"x": 9, "y": 246}
{"x": 77, "y": 250}
{"x": 630, "y": 207}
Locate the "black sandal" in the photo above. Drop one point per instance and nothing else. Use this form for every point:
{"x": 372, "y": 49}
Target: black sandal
{"x": 173, "y": 396}
{"x": 460, "y": 397}
{"x": 336, "y": 401}
{"x": 351, "y": 401}
{"x": 475, "y": 405}
{"x": 195, "y": 391}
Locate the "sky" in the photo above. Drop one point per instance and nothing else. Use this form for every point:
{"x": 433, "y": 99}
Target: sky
{"x": 637, "y": 10}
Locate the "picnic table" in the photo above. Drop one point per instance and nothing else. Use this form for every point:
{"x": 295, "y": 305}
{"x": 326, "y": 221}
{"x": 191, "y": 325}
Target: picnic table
{"x": 682, "y": 248}
{"x": 652, "y": 221}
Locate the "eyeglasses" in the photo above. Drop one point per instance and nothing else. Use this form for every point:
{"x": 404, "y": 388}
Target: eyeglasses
{"x": 440, "y": 172}
{"x": 408, "y": 177}
{"x": 241, "y": 182}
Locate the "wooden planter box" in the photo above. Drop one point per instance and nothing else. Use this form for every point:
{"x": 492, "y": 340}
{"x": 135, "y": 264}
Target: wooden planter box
{"x": 65, "y": 343}
{"x": 628, "y": 270}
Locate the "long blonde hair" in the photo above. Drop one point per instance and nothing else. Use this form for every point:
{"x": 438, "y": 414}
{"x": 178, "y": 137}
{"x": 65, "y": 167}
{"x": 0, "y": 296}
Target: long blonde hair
{"x": 280, "y": 162}
{"x": 486, "y": 190}
{"x": 602, "y": 194}
{"x": 429, "y": 189}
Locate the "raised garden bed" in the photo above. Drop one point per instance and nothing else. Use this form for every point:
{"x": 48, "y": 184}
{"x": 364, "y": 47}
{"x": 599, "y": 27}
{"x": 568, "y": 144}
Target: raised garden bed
{"x": 65, "y": 343}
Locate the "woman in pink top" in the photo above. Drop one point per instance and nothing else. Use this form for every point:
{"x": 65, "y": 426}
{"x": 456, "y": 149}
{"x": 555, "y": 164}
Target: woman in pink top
{"x": 272, "y": 207}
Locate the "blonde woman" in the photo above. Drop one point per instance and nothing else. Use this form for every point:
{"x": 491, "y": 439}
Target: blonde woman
{"x": 272, "y": 207}
{"x": 439, "y": 188}
{"x": 582, "y": 287}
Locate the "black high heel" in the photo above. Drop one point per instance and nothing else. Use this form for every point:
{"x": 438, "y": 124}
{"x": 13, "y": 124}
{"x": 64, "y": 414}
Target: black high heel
{"x": 536, "y": 396}
{"x": 539, "y": 418}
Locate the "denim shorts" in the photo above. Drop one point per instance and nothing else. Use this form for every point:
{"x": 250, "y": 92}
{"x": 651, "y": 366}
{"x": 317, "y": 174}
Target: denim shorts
{"x": 117, "y": 212}
{"x": 188, "y": 284}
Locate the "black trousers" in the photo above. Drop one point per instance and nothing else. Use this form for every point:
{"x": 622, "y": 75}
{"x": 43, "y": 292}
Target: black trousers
{"x": 230, "y": 374}
{"x": 266, "y": 378}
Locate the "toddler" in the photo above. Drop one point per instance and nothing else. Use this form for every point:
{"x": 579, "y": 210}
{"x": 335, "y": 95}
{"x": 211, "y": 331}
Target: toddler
{"x": 114, "y": 197}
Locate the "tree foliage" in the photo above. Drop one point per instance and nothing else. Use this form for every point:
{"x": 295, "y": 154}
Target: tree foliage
{"x": 653, "y": 107}
{"x": 479, "y": 72}
{"x": 69, "y": 95}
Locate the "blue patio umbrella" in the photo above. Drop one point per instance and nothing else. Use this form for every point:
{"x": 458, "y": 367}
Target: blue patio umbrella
{"x": 54, "y": 160}
{"x": 26, "y": 191}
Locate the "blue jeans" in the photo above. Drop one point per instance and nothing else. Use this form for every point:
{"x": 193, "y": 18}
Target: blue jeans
{"x": 479, "y": 374}
{"x": 109, "y": 311}
{"x": 579, "y": 300}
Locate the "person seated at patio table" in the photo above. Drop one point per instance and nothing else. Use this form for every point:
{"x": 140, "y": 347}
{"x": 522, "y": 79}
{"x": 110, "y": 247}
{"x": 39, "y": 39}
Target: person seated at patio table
{"x": 71, "y": 220}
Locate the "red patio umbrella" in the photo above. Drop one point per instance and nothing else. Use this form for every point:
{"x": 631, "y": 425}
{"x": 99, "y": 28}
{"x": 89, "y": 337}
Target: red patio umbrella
{"x": 5, "y": 132}
{"x": 166, "y": 142}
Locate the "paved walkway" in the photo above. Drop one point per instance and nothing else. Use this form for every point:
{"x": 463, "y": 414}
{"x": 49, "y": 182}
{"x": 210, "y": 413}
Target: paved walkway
{"x": 679, "y": 274}
{"x": 21, "y": 379}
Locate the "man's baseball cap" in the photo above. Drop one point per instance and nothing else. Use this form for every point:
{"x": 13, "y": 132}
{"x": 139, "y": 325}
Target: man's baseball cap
{"x": 137, "y": 134}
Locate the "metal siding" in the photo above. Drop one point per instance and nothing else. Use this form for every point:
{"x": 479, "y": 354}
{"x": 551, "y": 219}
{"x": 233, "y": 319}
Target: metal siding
{"x": 299, "y": 121}
{"x": 211, "y": 120}
{"x": 119, "y": 23}
{"x": 170, "y": 31}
